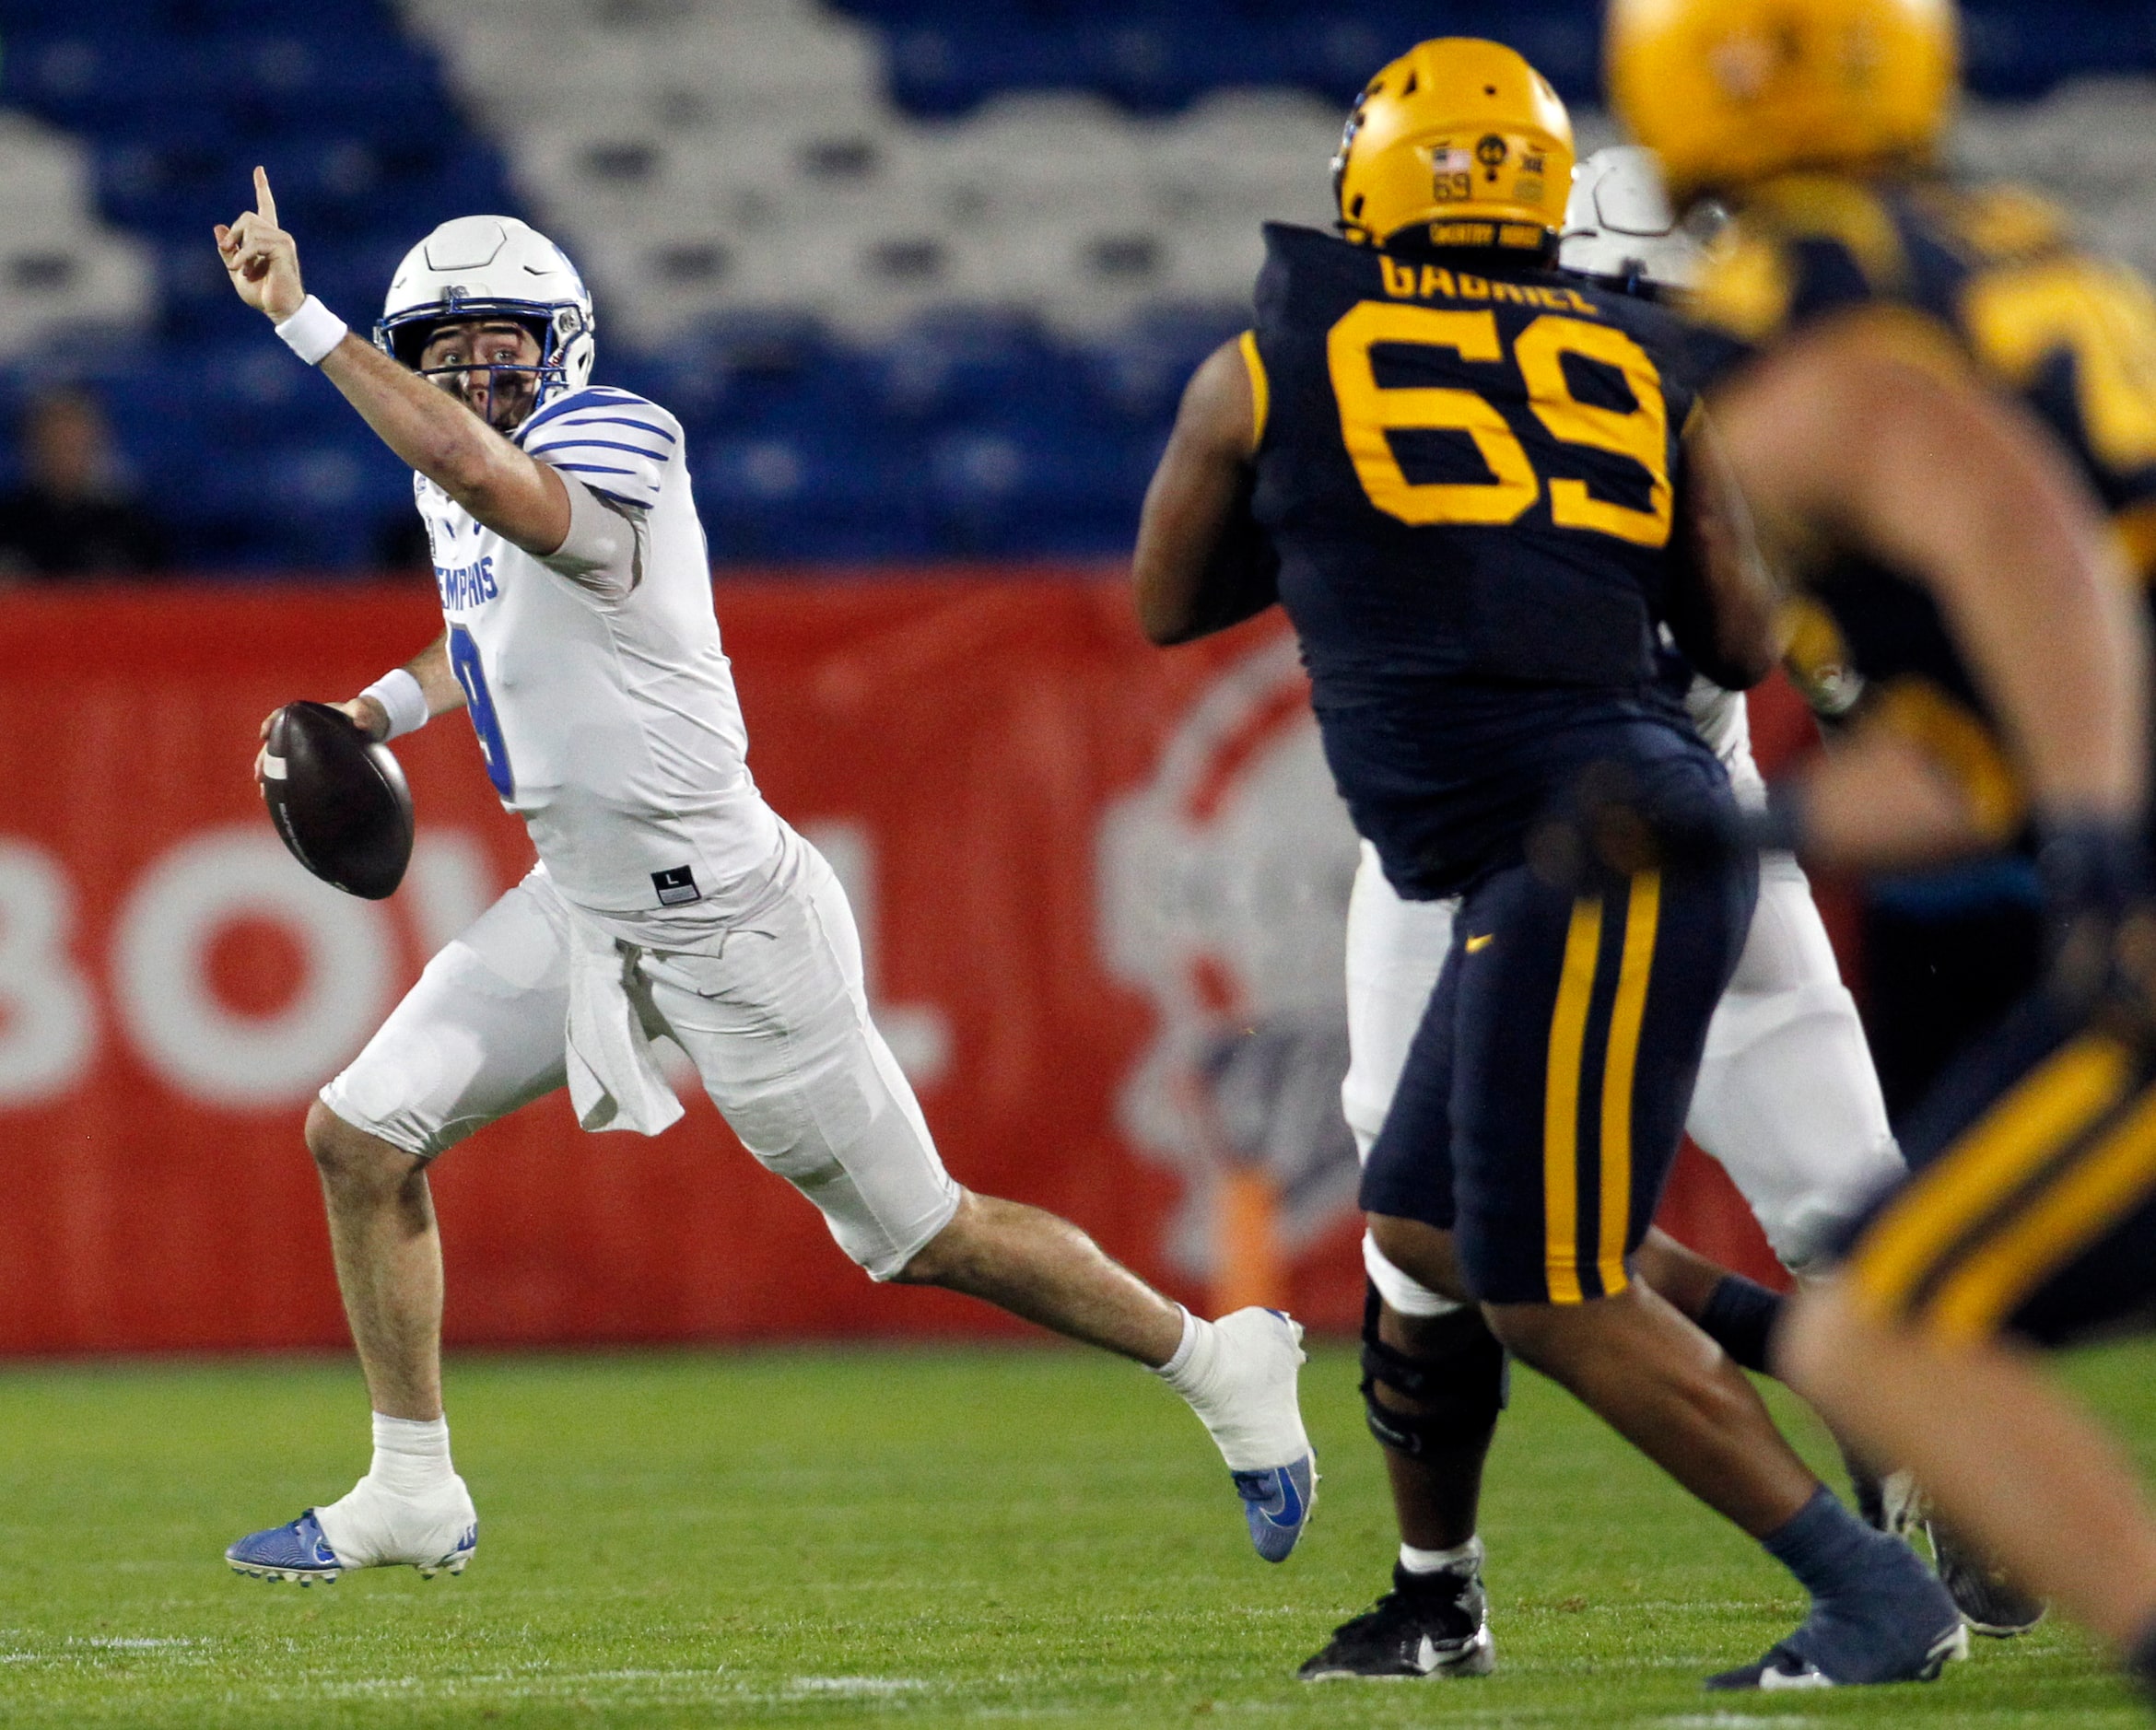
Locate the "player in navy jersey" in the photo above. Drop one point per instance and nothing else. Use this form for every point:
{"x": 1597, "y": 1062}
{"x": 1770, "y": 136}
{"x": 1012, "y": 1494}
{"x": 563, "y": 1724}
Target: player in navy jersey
{"x": 1786, "y": 1100}
{"x": 1992, "y": 276}
{"x": 1463, "y": 476}
{"x": 1933, "y": 402}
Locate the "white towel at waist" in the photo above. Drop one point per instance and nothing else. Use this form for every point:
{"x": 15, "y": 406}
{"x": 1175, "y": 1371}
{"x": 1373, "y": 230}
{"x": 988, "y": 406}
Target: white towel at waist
{"x": 614, "y": 1076}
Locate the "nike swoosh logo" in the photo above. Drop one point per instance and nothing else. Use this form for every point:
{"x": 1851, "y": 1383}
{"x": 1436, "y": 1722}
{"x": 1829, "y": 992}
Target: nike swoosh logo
{"x": 1810, "y": 1675}
{"x": 1291, "y": 1502}
{"x": 1280, "y": 1501}
{"x": 1476, "y": 945}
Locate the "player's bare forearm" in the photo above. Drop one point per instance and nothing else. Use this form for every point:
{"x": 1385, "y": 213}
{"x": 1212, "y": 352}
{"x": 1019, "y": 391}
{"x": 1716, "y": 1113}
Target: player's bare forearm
{"x": 1202, "y": 564}
{"x": 1725, "y": 606}
{"x": 431, "y": 667}
{"x": 1844, "y": 790}
{"x": 1898, "y": 456}
{"x": 517, "y": 496}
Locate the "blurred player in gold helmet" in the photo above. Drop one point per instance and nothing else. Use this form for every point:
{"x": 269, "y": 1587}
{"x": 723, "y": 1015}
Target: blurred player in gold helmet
{"x": 1733, "y": 91}
{"x": 1944, "y": 415}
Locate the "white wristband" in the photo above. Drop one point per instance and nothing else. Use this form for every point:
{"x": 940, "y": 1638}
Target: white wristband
{"x": 312, "y": 332}
{"x": 401, "y": 700}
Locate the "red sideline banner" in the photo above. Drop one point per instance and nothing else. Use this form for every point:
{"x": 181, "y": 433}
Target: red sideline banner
{"x": 1101, "y": 890}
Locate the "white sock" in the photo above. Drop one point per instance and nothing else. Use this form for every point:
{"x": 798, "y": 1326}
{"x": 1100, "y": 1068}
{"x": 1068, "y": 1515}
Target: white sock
{"x": 411, "y": 1456}
{"x": 1466, "y": 1557}
{"x": 408, "y": 1504}
{"x": 1176, "y": 1371}
{"x": 1238, "y": 1374}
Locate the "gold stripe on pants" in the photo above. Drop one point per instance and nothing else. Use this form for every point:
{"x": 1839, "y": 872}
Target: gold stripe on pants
{"x": 2100, "y": 1189}
{"x": 1575, "y": 987}
{"x": 1642, "y": 913}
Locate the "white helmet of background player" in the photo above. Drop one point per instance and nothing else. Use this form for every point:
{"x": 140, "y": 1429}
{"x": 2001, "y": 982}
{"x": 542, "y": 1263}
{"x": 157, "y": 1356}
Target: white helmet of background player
{"x": 1619, "y": 226}
{"x": 478, "y": 267}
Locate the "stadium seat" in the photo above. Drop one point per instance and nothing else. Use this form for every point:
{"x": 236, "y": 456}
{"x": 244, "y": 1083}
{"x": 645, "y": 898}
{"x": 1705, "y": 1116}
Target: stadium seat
{"x": 921, "y": 277}
{"x": 810, "y": 496}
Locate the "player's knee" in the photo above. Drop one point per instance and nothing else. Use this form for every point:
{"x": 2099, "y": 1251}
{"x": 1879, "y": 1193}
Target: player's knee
{"x": 348, "y": 1157}
{"x": 1427, "y": 1256}
{"x": 1437, "y": 1383}
{"x": 1545, "y": 1334}
{"x": 949, "y": 1258}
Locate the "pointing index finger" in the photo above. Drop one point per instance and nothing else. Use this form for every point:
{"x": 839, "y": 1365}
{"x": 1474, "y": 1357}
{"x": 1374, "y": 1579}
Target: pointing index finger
{"x": 265, "y": 205}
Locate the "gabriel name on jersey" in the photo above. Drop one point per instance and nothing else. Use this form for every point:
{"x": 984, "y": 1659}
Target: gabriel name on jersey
{"x": 1980, "y": 276}
{"x": 602, "y": 701}
{"x": 1468, "y": 466}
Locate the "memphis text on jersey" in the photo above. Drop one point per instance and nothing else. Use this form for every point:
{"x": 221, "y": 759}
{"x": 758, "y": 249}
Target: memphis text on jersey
{"x": 463, "y": 586}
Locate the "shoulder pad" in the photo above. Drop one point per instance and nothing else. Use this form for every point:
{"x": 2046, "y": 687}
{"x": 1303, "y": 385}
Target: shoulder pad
{"x": 1805, "y": 245}
{"x": 615, "y": 441}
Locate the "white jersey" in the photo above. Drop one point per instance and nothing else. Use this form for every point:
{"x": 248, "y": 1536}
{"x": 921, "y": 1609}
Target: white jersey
{"x": 1726, "y": 725}
{"x": 602, "y": 701}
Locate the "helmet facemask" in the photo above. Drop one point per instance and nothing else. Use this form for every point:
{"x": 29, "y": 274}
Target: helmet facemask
{"x": 503, "y": 392}
{"x": 513, "y": 391}
{"x": 1343, "y": 220}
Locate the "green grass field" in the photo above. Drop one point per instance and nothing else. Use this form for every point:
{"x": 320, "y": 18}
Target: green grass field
{"x": 911, "y": 1538}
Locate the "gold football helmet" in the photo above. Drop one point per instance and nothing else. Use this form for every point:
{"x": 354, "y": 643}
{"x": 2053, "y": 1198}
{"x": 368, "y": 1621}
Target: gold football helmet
{"x": 1731, "y": 91}
{"x": 1462, "y": 139}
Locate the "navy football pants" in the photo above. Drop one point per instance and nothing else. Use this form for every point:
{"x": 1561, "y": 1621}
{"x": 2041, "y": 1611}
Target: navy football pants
{"x": 1545, "y": 1094}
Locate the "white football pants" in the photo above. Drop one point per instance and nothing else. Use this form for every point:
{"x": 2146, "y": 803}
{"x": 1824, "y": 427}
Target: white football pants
{"x": 770, "y": 1008}
{"x": 1786, "y": 1101}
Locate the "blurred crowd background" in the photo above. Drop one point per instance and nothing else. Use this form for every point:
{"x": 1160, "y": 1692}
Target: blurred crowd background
{"x": 922, "y": 277}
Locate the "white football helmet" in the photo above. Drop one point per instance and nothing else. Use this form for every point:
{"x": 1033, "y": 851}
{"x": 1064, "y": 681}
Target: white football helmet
{"x": 1619, "y": 225}
{"x": 493, "y": 267}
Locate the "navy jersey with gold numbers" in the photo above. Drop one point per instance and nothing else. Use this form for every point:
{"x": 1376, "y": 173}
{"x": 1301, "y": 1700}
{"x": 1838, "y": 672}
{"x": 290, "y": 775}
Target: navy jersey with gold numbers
{"x": 1982, "y": 275}
{"x": 2031, "y": 1207}
{"x": 1469, "y": 469}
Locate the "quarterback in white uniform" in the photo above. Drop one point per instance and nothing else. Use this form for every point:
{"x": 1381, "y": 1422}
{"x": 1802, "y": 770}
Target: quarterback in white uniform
{"x": 668, "y": 899}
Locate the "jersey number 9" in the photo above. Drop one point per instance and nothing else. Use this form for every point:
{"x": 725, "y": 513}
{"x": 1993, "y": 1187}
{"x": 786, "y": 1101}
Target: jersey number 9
{"x": 464, "y": 657}
{"x": 1368, "y": 413}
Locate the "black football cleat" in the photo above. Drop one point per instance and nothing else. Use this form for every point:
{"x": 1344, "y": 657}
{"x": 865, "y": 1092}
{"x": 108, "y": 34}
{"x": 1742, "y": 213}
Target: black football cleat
{"x": 1989, "y": 1602}
{"x": 1427, "y": 1625}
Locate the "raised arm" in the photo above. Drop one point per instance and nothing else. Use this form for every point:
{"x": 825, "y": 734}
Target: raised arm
{"x": 1202, "y": 564}
{"x": 1856, "y": 436}
{"x": 520, "y": 499}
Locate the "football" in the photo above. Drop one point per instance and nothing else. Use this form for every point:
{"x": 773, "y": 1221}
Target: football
{"x": 338, "y": 799}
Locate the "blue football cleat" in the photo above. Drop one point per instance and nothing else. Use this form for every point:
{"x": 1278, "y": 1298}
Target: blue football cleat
{"x": 296, "y": 1551}
{"x": 1277, "y": 1503}
{"x": 299, "y": 1552}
